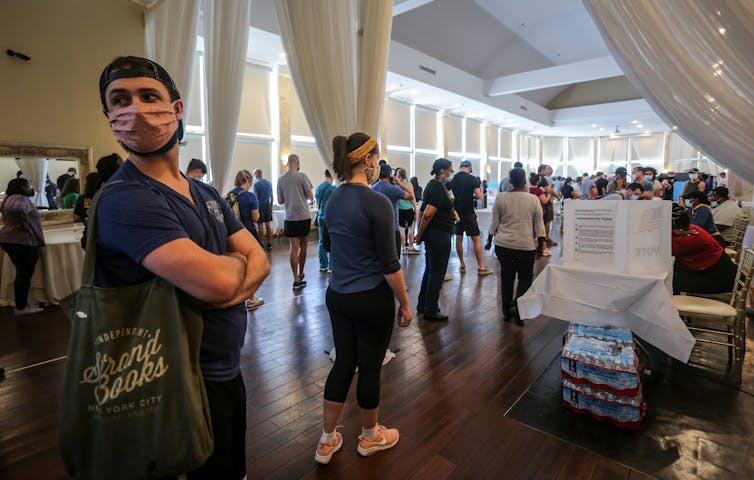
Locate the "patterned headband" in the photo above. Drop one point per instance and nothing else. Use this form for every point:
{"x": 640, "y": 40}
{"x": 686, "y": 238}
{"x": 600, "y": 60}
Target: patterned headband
{"x": 359, "y": 153}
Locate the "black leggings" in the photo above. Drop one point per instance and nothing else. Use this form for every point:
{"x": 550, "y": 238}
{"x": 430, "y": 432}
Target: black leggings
{"x": 24, "y": 258}
{"x": 513, "y": 263}
{"x": 361, "y": 327}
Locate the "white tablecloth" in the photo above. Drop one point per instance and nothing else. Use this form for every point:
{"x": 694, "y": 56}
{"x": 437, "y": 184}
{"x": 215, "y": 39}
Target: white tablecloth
{"x": 639, "y": 302}
{"x": 278, "y": 219}
{"x": 58, "y": 271}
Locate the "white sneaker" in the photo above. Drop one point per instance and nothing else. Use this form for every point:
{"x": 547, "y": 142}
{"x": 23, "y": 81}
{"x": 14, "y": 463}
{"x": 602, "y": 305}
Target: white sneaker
{"x": 254, "y": 303}
{"x": 29, "y": 310}
{"x": 448, "y": 277}
{"x": 413, "y": 251}
{"x": 485, "y": 271}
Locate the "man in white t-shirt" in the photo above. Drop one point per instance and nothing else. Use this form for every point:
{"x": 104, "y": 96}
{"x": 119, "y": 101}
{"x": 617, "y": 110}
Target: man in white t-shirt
{"x": 724, "y": 212}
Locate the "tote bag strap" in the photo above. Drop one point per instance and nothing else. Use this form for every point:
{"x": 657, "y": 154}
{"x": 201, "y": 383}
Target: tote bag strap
{"x": 90, "y": 253}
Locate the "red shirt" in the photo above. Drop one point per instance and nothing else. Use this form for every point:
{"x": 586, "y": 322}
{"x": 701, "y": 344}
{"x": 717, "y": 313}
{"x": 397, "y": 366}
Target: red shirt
{"x": 696, "y": 252}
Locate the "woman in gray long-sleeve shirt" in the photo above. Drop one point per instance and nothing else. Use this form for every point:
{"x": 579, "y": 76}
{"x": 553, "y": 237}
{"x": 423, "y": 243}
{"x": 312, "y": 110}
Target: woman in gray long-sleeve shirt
{"x": 519, "y": 233}
{"x": 21, "y": 237}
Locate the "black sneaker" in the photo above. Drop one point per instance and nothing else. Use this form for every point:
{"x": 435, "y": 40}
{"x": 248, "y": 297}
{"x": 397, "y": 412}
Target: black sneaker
{"x": 299, "y": 285}
{"x": 436, "y": 317}
{"x": 269, "y": 246}
{"x": 551, "y": 243}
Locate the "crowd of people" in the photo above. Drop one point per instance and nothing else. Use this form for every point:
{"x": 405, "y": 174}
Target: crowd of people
{"x": 154, "y": 220}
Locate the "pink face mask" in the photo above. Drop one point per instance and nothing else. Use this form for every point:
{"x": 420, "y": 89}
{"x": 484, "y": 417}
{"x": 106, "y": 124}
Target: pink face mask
{"x": 144, "y": 127}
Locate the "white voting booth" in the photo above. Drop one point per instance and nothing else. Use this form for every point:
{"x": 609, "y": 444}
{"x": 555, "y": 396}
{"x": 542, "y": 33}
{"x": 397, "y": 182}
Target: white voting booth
{"x": 615, "y": 271}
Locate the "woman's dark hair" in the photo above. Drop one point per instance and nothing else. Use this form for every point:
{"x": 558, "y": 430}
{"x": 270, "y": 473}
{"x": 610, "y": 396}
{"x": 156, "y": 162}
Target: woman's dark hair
{"x": 534, "y": 179}
{"x": 568, "y": 180}
{"x": 16, "y": 186}
{"x": 400, "y": 172}
{"x": 517, "y": 177}
{"x": 327, "y": 173}
{"x": 681, "y": 220}
{"x": 701, "y": 196}
{"x": 107, "y": 166}
{"x": 415, "y": 182}
{"x": 341, "y": 147}
{"x": 91, "y": 184}
{"x": 70, "y": 185}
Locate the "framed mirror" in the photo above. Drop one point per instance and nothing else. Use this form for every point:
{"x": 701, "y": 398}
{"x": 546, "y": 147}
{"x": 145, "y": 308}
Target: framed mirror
{"x": 43, "y": 160}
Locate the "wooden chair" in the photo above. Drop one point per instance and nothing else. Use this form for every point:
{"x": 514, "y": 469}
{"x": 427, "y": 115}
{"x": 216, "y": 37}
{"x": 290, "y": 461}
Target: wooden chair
{"x": 739, "y": 229}
{"x": 720, "y": 319}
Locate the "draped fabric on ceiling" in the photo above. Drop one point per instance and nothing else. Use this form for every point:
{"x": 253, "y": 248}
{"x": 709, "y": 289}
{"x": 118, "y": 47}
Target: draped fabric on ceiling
{"x": 648, "y": 150}
{"x": 170, "y": 40}
{"x": 553, "y": 154}
{"x": 226, "y": 37}
{"x": 580, "y": 157}
{"x": 339, "y": 76}
{"x": 692, "y": 61}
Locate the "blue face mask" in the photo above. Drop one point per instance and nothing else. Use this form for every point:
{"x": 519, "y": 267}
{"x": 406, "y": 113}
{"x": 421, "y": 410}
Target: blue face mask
{"x": 634, "y": 197}
{"x": 689, "y": 203}
{"x": 649, "y": 177}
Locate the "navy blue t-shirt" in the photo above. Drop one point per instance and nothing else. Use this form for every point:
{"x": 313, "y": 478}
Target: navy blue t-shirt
{"x": 247, "y": 202}
{"x": 393, "y": 193}
{"x": 362, "y": 240}
{"x": 141, "y": 214}
{"x": 263, "y": 189}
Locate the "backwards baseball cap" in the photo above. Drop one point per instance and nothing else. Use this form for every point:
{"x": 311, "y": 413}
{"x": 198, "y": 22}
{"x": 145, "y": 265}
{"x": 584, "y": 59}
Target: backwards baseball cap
{"x": 133, "y": 67}
{"x": 621, "y": 171}
{"x": 466, "y": 164}
{"x": 440, "y": 164}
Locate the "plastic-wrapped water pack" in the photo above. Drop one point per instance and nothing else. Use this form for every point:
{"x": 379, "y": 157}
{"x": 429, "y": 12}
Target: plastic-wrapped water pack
{"x": 607, "y": 333}
{"x": 603, "y": 364}
{"x": 623, "y": 411}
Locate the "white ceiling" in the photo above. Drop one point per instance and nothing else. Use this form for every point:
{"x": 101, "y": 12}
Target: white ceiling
{"x": 470, "y": 43}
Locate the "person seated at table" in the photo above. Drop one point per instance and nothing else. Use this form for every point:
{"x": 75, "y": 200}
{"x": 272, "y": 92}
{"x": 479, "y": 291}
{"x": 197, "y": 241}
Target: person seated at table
{"x": 724, "y": 212}
{"x": 698, "y": 208}
{"x": 701, "y": 264}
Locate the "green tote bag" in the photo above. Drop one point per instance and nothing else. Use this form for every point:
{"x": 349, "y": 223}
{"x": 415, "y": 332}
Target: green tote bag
{"x": 133, "y": 400}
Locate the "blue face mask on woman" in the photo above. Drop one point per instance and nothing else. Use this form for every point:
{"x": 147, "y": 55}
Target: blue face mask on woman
{"x": 689, "y": 203}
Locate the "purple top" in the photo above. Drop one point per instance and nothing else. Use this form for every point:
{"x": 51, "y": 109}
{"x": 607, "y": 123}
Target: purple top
{"x": 22, "y": 222}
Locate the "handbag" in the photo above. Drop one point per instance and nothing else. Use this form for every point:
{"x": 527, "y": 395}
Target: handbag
{"x": 133, "y": 400}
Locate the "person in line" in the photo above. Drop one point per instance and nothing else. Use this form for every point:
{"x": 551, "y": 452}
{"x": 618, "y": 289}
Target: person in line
{"x": 246, "y": 208}
{"x": 321, "y": 196}
{"x": 587, "y": 186}
{"x": 394, "y": 192}
{"x": 70, "y": 193}
{"x": 647, "y": 185}
{"x": 538, "y": 189}
{"x": 546, "y": 184}
{"x": 60, "y": 182}
{"x": 51, "y": 191}
{"x": 723, "y": 180}
{"x": 21, "y": 238}
{"x": 519, "y": 233}
{"x": 418, "y": 190}
{"x": 633, "y": 191}
{"x": 263, "y": 190}
{"x": 196, "y": 169}
{"x": 153, "y": 220}
{"x": 406, "y": 214}
{"x": 295, "y": 193}
{"x": 693, "y": 185}
{"x": 366, "y": 276}
{"x": 601, "y": 183}
{"x": 724, "y": 212}
{"x": 466, "y": 190}
{"x": 619, "y": 182}
{"x": 650, "y": 175}
{"x": 567, "y": 191}
{"x": 106, "y": 168}
{"x": 84, "y": 201}
{"x": 435, "y": 230}
{"x": 698, "y": 208}
{"x": 701, "y": 264}
{"x": 505, "y": 184}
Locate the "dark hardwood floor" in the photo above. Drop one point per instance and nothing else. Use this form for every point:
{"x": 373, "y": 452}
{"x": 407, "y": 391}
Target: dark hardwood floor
{"x": 447, "y": 390}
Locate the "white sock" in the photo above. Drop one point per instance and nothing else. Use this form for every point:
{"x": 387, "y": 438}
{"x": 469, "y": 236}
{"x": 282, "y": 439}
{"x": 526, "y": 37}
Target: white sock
{"x": 369, "y": 432}
{"x": 327, "y": 437}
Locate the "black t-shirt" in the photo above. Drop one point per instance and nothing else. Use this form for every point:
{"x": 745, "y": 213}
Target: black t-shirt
{"x": 463, "y": 186}
{"x": 566, "y": 191}
{"x": 601, "y": 185}
{"x": 436, "y": 195}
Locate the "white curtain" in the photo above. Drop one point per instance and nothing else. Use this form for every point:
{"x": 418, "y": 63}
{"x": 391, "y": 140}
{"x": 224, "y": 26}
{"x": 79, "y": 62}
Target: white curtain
{"x": 506, "y": 144}
{"x": 553, "y": 154}
{"x": 35, "y": 171}
{"x": 170, "y": 40}
{"x": 692, "y": 61}
{"x": 681, "y": 155}
{"x": 580, "y": 157}
{"x": 613, "y": 153}
{"x": 339, "y": 77}
{"x": 226, "y": 37}
{"x": 648, "y": 150}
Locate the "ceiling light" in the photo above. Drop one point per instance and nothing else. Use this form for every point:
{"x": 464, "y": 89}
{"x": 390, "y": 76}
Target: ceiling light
{"x": 675, "y": 127}
{"x": 594, "y": 125}
{"x": 602, "y": 129}
{"x": 721, "y": 30}
{"x": 640, "y": 126}
{"x": 634, "y": 122}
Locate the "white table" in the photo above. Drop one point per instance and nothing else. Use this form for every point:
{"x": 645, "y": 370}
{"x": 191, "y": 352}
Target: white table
{"x": 58, "y": 271}
{"x": 278, "y": 219}
{"x": 640, "y": 302}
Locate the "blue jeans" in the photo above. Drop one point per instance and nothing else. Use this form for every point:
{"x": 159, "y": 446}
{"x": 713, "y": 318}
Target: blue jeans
{"x": 437, "y": 253}
{"x": 324, "y": 256}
